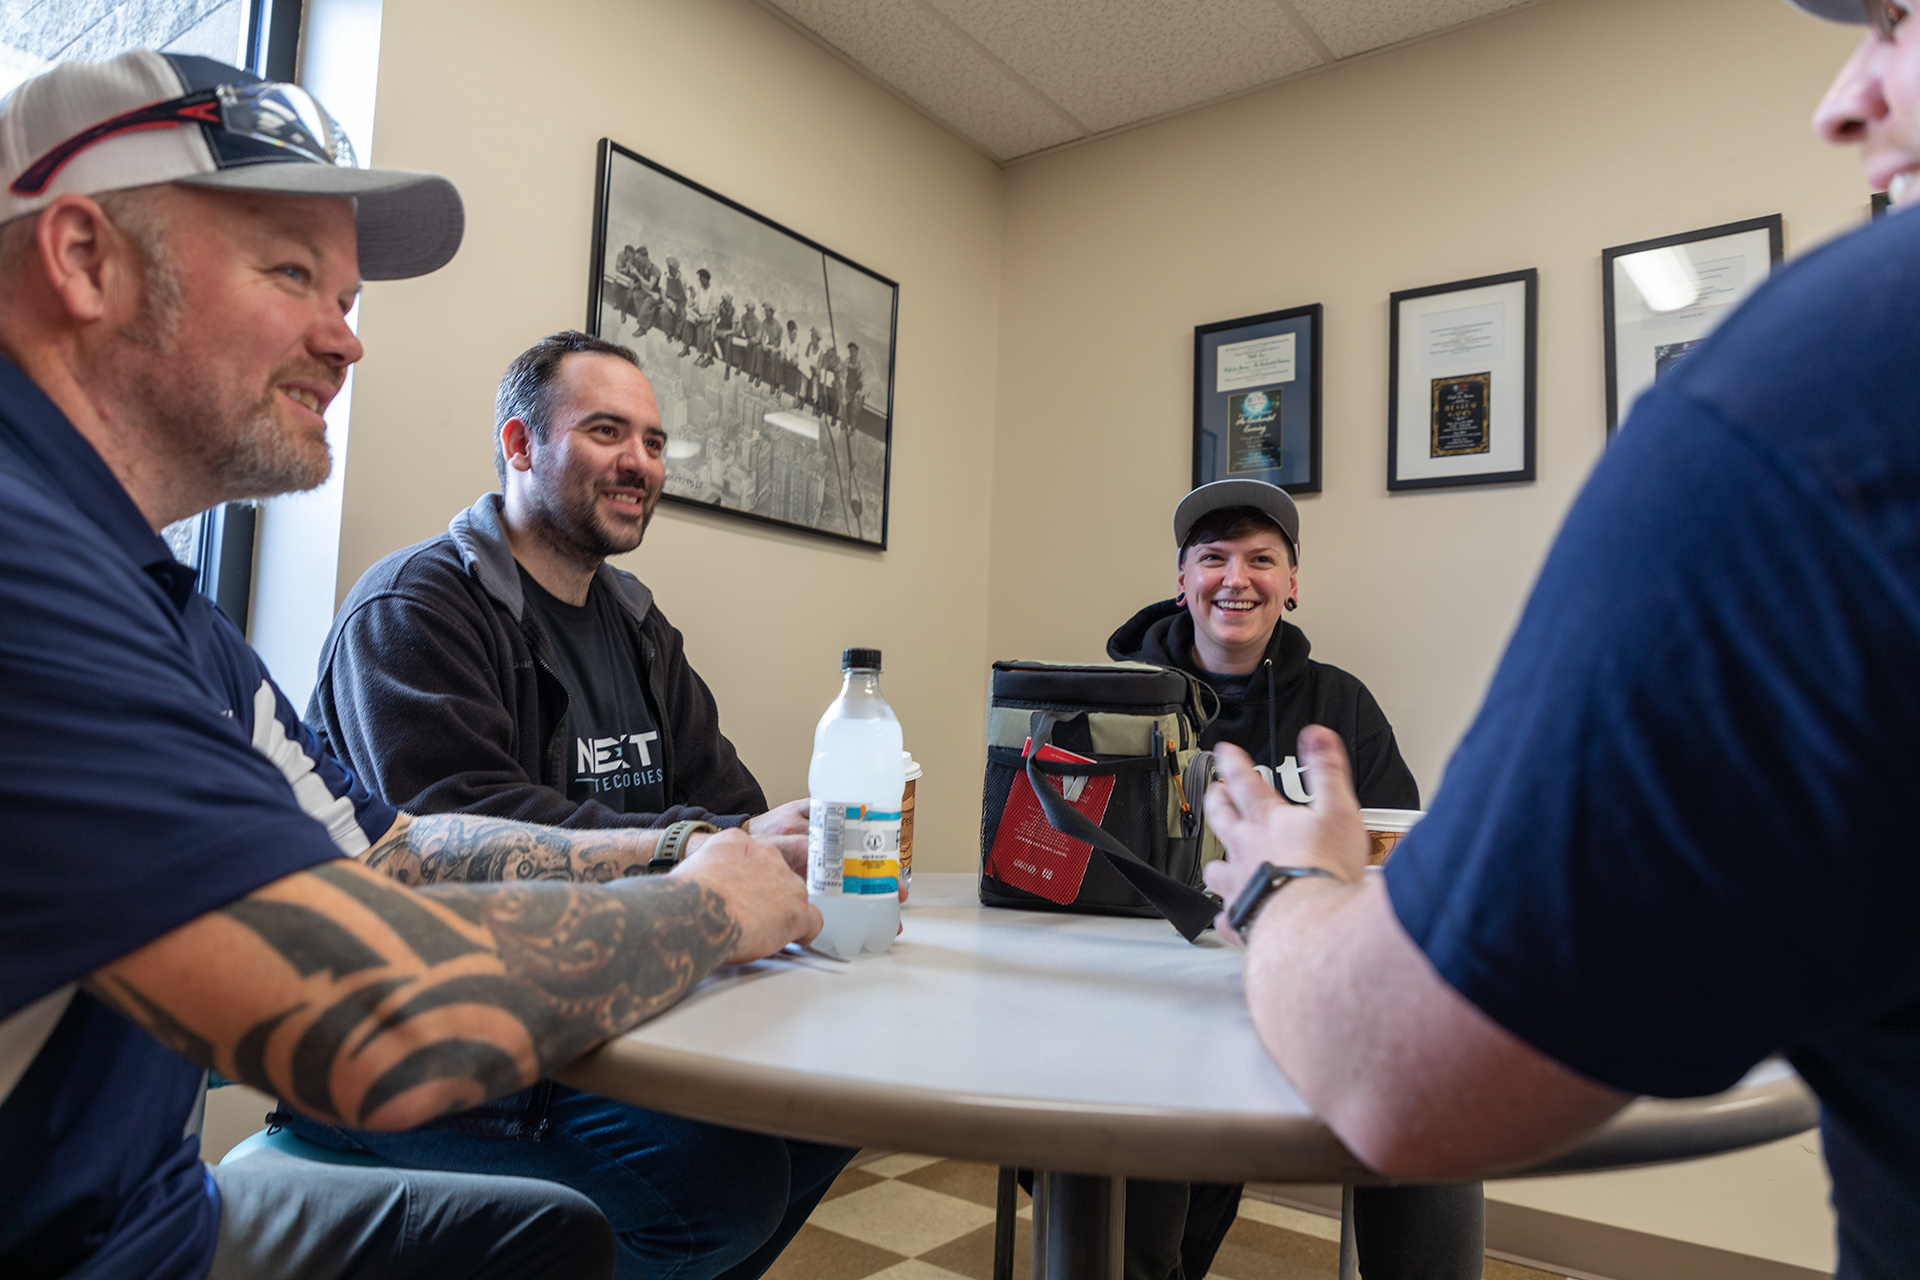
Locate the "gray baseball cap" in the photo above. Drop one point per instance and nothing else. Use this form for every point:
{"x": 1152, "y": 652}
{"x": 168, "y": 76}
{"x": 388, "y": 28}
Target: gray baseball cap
{"x": 1269, "y": 500}
{"x": 144, "y": 118}
{"x": 1850, "y": 11}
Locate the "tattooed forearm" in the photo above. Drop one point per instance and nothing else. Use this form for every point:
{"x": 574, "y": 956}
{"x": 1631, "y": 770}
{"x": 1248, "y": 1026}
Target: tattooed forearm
{"x": 399, "y": 995}
{"x": 307, "y": 940}
{"x": 459, "y": 848}
{"x": 319, "y": 1048}
{"x": 602, "y": 959}
{"x": 484, "y": 1064}
{"x": 431, "y": 939}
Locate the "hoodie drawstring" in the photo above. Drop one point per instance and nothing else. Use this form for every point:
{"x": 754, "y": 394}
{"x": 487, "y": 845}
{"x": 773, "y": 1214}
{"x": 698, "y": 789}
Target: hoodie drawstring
{"x": 1273, "y": 717}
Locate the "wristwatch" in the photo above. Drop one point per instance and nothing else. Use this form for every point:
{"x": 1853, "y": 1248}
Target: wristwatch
{"x": 1267, "y": 880}
{"x": 672, "y": 849}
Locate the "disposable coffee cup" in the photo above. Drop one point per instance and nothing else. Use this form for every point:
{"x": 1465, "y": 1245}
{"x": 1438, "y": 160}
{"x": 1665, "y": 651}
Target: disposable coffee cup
{"x": 1384, "y": 829}
{"x": 906, "y": 824}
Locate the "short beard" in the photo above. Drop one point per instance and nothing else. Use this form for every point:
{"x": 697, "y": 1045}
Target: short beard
{"x": 238, "y": 453}
{"x": 571, "y": 526}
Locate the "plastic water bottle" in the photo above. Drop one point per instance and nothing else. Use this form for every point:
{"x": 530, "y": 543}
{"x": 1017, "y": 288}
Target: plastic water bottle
{"x": 854, "y": 786}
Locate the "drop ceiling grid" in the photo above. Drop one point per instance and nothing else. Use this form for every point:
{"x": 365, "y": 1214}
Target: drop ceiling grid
{"x": 1018, "y": 77}
{"x": 1113, "y": 62}
{"x": 1352, "y": 27}
{"x": 913, "y": 50}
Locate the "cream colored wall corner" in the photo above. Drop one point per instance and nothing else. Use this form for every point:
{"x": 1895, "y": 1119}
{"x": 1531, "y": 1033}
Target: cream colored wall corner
{"x": 509, "y": 99}
{"x": 1535, "y": 140}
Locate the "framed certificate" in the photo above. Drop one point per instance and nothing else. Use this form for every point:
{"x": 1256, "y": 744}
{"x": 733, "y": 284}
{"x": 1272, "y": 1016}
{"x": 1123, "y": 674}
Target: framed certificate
{"x": 1663, "y": 297}
{"x": 1256, "y": 399}
{"x": 1460, "y": 364}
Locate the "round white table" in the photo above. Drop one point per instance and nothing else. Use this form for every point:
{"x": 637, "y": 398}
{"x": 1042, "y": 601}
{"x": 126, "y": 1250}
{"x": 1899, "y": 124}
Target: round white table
{"x": 1095, "y": 1046}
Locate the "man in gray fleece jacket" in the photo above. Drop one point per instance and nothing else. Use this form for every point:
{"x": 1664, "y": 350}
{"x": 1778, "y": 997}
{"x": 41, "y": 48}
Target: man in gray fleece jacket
{"x": 504, "y": 668}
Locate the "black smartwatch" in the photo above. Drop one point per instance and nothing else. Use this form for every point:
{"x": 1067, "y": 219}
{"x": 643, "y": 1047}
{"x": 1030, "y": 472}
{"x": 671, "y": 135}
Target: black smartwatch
{"x": 1267, "y": 880}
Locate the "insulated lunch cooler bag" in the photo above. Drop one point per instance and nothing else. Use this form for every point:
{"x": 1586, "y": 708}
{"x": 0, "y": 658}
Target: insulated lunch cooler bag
{"x": 1086, "y": 806}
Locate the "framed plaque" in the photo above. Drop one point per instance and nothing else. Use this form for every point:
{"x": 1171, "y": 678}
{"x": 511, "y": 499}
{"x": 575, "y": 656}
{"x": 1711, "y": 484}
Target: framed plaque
{"x": 1460, "y": 365}
{"x": 1256, "y": 399}
{"x": 1663, "y": 297}
{"x": 771, "y": 356}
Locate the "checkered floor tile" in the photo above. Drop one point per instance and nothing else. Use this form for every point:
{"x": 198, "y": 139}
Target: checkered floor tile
{"x": 901, "y": 1217}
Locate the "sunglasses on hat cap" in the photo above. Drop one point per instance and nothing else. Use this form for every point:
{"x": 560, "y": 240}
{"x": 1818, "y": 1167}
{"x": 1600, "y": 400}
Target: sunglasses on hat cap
{"x": 281, "y": 115}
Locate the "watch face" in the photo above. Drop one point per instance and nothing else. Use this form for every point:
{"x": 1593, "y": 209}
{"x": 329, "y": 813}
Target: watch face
{"x": 1252, "y": 895}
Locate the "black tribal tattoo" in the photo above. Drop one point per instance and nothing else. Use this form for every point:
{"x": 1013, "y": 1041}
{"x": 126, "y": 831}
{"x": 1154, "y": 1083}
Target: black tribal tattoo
{"x": 581, "y": 963}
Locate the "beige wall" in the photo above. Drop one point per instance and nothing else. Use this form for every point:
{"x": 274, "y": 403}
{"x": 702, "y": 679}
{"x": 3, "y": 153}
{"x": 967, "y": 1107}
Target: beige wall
{"x": 509, "y": 100}
{"x": 1532, "y": 141}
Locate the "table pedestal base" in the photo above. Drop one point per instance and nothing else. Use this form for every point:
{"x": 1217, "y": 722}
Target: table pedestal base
{"x": 1079, "y": 1227}
{"x": 1349, "y": 1251}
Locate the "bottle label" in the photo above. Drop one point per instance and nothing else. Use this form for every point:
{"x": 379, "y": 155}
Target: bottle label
{"x": 853, "y": 849}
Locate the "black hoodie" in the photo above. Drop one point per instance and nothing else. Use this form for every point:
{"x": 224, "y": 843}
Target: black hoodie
{"x": 1285, "y": 695}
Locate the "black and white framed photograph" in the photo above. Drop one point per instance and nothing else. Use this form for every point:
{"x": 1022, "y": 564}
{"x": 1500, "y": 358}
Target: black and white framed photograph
{"x": 1663, "y": 297}
{"x": 1256, "y": 399}
{"x": 771, "y": 356}
{"x": 1460, "y": 373}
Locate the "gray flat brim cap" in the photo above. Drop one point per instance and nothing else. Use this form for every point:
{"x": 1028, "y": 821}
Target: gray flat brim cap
{"x": 408, "y": 223}
{"x": 1848, "y": 11}
{"x": 1270, "y": 500}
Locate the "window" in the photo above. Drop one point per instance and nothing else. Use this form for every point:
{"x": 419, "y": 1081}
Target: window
{"x": 261, "y": 35}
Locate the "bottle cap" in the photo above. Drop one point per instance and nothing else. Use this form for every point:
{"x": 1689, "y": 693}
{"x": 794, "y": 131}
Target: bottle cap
{"x": 861, "y": 658}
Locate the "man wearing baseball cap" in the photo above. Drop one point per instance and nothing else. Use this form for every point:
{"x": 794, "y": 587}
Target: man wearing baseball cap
{"x": 180, "y": 245}
{"x": 1677, "y": 838}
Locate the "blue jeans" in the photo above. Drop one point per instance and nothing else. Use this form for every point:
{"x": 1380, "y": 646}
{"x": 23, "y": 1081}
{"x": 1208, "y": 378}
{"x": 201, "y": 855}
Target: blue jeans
{"x": 686, "y": 1200}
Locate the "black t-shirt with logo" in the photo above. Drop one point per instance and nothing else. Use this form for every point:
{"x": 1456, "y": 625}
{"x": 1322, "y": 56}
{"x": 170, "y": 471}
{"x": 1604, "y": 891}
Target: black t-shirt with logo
{"x": 613, "y": 753}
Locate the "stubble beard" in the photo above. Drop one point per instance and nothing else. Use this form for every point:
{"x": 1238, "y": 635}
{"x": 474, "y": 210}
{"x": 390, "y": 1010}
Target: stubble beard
{"x": 238, "y": 450}
{"x": 571, "y": 524}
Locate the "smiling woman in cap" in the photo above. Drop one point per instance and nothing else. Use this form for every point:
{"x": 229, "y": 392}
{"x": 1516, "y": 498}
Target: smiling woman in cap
{"x": 1237, "y": 575}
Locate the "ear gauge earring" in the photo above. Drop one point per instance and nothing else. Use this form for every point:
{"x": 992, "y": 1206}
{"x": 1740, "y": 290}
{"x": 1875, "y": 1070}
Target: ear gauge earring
{"x": 1292, "y": 604}
{"x": 1181, "y": 599}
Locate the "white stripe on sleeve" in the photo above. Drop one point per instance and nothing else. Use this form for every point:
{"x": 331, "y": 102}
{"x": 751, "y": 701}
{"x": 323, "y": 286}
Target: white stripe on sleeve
{"x": 24, "y": 1033}
{"x": 316, "y": 799}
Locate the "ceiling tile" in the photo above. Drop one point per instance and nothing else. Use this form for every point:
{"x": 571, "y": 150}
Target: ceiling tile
{"x": 1351, "y": 27}
{"x": 1111, "y": 63}
{"x": 909, "y": 48}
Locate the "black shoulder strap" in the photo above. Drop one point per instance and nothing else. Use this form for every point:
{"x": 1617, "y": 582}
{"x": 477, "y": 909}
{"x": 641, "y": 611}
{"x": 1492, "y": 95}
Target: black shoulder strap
{"x": 1187, "y": 909}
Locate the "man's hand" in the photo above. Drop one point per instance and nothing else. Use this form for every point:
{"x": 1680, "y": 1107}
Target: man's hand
{"x": 1257, "y": 825}
{"x": 1412, "y": 1077}
{"x": 765, "y": 898}
{"x": 785, "y": 828}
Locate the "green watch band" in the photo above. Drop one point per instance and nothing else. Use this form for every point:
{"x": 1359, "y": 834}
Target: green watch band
{"x": 672, "y": 849}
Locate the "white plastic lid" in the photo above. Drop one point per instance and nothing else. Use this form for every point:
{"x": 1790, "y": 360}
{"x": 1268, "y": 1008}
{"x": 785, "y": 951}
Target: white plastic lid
{"x": 1391, "y": 819}
{"x": 913, "y": 768}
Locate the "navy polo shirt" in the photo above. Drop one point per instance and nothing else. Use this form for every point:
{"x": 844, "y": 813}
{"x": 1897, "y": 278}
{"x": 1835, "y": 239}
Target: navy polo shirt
{"x": 150, "y": 772}
{"x": 1679, "y": 835}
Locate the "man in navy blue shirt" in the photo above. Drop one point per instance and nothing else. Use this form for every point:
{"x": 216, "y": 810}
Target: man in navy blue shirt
{"x": 180, "y": 245}
{"x": 1677, "y": 838}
